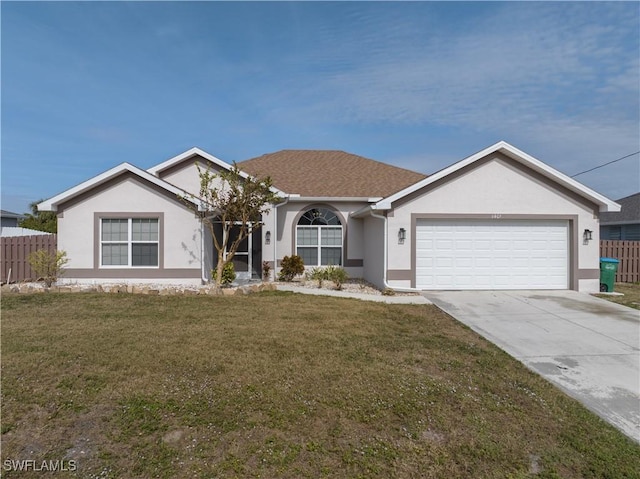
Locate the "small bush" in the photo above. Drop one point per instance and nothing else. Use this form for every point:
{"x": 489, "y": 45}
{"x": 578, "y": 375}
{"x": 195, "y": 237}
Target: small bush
{"x": 266, "y": 270}
{"x": 228, "y": 274}
{"x": 318, "y": 274}
{"x": 47, "y": 266}
{"x": 338, "y": 275}
{"x": 292, "y": 266}
{"x": 331, "y": 273}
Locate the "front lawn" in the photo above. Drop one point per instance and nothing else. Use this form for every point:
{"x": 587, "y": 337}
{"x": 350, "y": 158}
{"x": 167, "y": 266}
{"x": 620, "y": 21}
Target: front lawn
{"x": 281, "y": 385}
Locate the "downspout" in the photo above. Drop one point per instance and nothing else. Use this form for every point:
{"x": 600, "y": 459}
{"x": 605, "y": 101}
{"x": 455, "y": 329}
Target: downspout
{"x": 384, "y": 248}
{"x": 384, "y": 258}
{"x": 202, "y": 274}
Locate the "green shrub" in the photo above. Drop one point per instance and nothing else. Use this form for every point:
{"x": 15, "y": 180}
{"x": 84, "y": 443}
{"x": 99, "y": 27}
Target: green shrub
{"x": 337, "y": 274}
{"x": 318, "y": 274}
{"x": 292, "y": 266}
{"x": 47, "y": 266}
{"x": 228, "y": 274}
{"x": 331, "y": 273}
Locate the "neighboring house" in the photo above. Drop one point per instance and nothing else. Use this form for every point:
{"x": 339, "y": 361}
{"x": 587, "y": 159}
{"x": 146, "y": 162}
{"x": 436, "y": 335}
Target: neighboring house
{"x": 499, "y": 219}
{"x": 9, "y": 219}
{"x": 12, "y": 231}
{"x": 624, "y": 224}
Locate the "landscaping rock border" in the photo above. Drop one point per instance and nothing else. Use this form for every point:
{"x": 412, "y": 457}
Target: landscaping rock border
{"x": 146, "y": 289}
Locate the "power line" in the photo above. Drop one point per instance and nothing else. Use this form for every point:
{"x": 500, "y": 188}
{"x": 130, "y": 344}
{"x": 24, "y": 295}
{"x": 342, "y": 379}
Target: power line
{"x": 596, "y": 167}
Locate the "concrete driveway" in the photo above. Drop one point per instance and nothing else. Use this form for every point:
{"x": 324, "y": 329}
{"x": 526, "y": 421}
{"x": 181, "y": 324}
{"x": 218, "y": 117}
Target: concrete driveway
{"x": 587, "y": 346}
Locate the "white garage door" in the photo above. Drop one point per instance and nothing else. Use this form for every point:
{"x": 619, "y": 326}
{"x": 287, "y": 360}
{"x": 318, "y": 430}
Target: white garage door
{"x": 492, "y": 254}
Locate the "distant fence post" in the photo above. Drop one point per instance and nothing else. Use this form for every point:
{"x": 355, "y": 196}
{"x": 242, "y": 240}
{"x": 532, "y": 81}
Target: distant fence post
{"x": 628, "y": 252}
{"x": 15, "y": 250}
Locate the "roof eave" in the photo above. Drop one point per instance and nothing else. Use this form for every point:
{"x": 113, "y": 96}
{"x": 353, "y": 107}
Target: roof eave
{"x": 356, "y": 199}
{"x": 620, "y": 223}
{"x": 604, "y": 203}
{"x": 155, "y": 170}
{"x": 52, "y": 203}
{"x": 369, "y": 210}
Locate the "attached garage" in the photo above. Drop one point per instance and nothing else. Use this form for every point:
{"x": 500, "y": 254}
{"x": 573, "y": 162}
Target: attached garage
{"x": 497, "y": 220}
{"x": 492, "y": 254}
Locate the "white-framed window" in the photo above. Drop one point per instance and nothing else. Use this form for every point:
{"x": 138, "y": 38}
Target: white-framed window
{"x": 319, "y": 238}
{"x": 129, "y": 242}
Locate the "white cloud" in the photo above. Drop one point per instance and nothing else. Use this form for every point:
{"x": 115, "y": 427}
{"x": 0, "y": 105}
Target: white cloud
{"x": 560, "y": 78}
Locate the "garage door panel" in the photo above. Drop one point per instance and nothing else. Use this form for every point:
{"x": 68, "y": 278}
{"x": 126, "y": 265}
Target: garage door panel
{"x": 482, "y": 263}
{"x": 487, "y": 254}
{"x": 463, "y": 262}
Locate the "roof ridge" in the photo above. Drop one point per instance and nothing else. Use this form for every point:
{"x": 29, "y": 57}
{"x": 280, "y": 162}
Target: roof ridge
{"x": 330, "y": 173}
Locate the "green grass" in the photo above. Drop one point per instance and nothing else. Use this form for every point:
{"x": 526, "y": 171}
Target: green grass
{"x": 281, "y": 385}
{"x": 631, "y": 292}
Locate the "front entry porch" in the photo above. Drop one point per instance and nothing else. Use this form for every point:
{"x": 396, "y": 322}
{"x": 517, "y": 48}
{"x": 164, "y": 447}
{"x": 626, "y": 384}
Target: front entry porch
{"x": 247, "y": 261}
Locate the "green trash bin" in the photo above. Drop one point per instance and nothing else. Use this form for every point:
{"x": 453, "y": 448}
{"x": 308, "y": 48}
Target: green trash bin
{"x": 608, "y": 269}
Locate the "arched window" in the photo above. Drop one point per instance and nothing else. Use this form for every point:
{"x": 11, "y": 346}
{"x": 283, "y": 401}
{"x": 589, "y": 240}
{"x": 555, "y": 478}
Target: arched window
{"x": 319, "y": 238}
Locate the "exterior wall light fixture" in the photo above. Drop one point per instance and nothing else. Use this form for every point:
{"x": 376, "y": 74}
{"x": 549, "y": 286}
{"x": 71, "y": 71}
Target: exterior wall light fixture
{"x": 402, "y": 235}
{"x": 267, "y": 237}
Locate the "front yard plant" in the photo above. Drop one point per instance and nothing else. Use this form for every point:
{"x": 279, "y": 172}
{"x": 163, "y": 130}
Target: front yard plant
{"x": 280, "y": 385}
{"x": 228, "y": 275}
{"x": 291, "y": 266}
{"x": 332, "y": 273}
{"x": 48, "y": 266}
{"x": 266, "y": 271}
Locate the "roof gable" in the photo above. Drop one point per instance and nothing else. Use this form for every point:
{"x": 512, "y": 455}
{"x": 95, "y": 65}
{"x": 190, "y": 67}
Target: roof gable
{"x": 187, "y": 155}
{"x": 330, "y": 173}
{"x": 524, "y": 159}
{"x": 193, "y": 156}
{"x": 124, "y": 168}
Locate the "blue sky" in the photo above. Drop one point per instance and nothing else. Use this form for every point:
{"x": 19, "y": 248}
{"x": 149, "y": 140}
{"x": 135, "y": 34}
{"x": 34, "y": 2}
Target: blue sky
{"x": 86, "y": 86}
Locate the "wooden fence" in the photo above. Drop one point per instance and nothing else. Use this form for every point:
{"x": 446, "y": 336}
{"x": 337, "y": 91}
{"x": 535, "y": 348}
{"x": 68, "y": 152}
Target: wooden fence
{"x": 628, "y": 252}
{"x": 14, "y": 252}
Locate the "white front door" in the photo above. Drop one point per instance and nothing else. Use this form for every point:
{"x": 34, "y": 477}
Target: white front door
{"x": 492, "y": 254}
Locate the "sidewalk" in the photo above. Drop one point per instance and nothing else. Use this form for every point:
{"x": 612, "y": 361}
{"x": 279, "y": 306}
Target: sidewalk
{"x": 401, "y": 299}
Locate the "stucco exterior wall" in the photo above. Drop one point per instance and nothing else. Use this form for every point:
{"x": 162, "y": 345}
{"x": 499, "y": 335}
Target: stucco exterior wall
{"x": 373, "y": 268}
{"x": 268, "y": 250}
{"x": 288, "y": 215}
{"x": 185, "y": 175}
{"x": 497, "y": 188}
{"x": 180, "y": 249}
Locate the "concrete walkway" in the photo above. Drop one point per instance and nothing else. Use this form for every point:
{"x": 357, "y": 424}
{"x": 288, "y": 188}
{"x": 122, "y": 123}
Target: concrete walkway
{"x": 587, "y": 346}
{"x": 398, "y": 299}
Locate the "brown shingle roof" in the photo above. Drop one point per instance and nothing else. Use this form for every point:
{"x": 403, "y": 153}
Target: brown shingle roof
{"x": 330, "y": 173}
